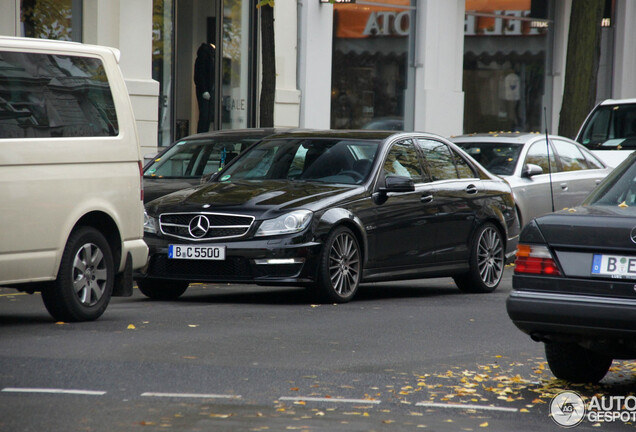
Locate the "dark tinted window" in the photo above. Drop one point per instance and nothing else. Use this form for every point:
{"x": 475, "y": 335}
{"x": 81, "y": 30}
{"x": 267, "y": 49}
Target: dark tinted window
{"x": 439, "y": 159}
{"x": 538, "y": 155}
{"x": 43, "y": 95}
{"x": 402, "y": 160}
{"x": 463, "y": 168}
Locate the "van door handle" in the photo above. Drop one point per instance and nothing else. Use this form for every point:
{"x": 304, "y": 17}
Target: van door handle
{"x": 426, "y": 199}
{"x": 471, "y": 189}
{"x": 564, "y": 186}
{"x": 597, "y": 181}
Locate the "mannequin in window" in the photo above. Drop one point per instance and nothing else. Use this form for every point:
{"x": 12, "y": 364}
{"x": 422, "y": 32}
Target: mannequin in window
{"x": 204, "y": 83}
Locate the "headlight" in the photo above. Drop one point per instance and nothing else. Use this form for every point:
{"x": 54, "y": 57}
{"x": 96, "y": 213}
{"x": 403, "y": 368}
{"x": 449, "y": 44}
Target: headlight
{"x": 150, "y": 223}
{"x": 293, "y": 222}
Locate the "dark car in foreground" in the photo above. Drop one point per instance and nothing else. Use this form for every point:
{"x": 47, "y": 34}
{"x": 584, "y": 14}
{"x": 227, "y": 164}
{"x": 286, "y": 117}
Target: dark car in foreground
{"x": 574, "y": 286}
{"x": 184, "y": 163}
{"x": 332, "y": 209}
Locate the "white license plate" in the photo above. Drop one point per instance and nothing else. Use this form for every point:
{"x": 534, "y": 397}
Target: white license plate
{"x": 615, "y": 266}
{"x": 196, "y": 252}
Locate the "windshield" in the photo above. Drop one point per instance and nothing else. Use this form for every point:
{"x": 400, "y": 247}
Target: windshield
{"x": 498, "y": 158}
{"x": 611, "y": 127}
{"x": 345, "y": 161}
{"x": 619, "y": 188}
{"x": 197, "y": 157}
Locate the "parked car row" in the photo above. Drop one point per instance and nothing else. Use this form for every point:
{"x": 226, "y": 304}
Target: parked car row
{"x": 327, "y": 210}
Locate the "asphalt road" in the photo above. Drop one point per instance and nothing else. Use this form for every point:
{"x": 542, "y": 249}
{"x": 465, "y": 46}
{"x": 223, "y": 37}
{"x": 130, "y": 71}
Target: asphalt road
{"x": 415, "y": 355}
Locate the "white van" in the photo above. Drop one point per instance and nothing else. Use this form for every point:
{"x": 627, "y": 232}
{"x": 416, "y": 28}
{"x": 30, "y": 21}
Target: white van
{"x": 71, "y": 193}
{"x": 610, "y": 130}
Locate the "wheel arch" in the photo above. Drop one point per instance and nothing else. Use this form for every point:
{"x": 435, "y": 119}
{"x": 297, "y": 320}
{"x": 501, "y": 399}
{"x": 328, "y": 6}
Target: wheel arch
{"x": 334, "y": 218}
{"x": 103, "y": 223}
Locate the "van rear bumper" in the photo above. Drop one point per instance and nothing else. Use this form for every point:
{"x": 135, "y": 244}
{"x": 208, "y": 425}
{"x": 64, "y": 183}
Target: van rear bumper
{"x": 138, "y": 250}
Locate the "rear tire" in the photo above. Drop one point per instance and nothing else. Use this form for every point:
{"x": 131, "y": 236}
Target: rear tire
{"x": 160, "y": 289}
{"x": 572, "y": 362}
{"x": 487, "y": 260}
{"x": 85, "y": 278}
{"x": 340, "y": 267}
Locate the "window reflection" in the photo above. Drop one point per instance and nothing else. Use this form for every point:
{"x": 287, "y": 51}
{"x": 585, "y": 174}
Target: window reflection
{"x": 369, "y": 65}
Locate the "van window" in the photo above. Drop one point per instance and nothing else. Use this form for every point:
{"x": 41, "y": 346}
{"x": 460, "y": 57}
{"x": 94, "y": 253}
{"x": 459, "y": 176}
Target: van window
{"x": 44, "y": 95}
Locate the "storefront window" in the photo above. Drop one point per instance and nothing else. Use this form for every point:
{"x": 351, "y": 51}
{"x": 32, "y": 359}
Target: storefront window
{"x": 163, "y": 67}
{"x": 51, "y": 19}
{"x": 370, "y": 64}
{"x": 505, "y": 55}
{"x": 235, "y": 109}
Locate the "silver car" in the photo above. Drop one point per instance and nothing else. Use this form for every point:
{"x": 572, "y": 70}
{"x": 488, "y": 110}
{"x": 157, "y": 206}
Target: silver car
{"x": 522, "y": 160}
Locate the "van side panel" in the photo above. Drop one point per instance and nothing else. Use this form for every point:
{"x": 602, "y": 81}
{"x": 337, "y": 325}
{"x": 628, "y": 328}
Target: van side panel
{"x": 47, "y": 184}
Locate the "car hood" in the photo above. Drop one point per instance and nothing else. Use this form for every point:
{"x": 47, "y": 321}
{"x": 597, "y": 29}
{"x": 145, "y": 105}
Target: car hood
{"x": 599, "y": 227}
{"x": 157, "y": 187}
{"x": 258, "y": 198}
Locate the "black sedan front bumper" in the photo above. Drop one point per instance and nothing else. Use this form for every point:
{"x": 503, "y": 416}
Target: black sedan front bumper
{"x": 280, "y": 261}
{"x": 557, "y": 314}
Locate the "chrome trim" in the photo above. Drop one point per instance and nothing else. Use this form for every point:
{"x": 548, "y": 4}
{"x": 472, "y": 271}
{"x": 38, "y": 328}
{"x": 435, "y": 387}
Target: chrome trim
{"x": 279, "y": 261}
{"x": 194, "y": 214}
{"x": 533, "y": 295}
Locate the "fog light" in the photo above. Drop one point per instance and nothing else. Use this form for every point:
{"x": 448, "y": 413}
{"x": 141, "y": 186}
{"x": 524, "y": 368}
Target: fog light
{"x": 279, "y": 261}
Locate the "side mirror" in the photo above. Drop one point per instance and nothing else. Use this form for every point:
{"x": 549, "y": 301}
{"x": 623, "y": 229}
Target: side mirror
{"x": 398, "y": 184}
{"x": 530, "y": 170}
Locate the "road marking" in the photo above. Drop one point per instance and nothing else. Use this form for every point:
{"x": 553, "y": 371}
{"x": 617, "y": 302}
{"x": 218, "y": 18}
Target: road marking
{"x": 465, "y": 406}
{"x": 53, "y": 391}
{"x": 191, "y": 395}
{"x": 14, "y": 294}
{"x": 318, "y": 399}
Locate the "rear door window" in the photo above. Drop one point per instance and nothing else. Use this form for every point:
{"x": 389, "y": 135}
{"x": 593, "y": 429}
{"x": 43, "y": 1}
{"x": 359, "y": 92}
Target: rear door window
{"x": 45, "y": 95}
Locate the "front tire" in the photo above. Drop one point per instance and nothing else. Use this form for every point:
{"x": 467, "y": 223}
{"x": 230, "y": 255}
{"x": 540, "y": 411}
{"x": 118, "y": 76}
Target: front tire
{"x": 85, "y": 278}
{"x": 572, "y": 362}
{"x": 158, "y": 289}
{"x": 487, "y": 260}
{"x": 340, "y": 266}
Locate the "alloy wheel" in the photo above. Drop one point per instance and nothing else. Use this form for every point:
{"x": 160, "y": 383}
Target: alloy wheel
{"x": 344, "y": 264}
{"x": 89, "y": 274}
{"x": 490, "y": 257}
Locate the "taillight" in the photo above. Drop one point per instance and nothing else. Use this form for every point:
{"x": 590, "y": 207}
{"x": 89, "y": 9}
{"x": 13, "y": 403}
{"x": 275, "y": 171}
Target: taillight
{"x": 535, "y": 259}
{"x": 141, "y": 179}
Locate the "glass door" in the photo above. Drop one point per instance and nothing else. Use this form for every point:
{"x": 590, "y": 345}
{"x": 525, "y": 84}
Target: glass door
{"x": 238, "y": 99}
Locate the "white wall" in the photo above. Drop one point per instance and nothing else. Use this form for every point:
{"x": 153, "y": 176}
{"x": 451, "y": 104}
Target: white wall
{"x": 624, "y": 82}
{"x": 439, "y": 99}
{"x": 287, "y": 102}
{"x": 314, "y": 66}
{"x": 556, "y": 75}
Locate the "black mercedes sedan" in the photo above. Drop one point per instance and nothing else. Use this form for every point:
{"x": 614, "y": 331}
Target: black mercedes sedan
{"x": 331, "y": 209}
{"x": 574, "y": 285}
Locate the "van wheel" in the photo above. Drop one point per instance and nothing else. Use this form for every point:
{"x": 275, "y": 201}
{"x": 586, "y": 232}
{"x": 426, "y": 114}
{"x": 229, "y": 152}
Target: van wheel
{"x": 85, "y": 278}
{"x": 486, "y": 262}
{"x": 572, "y": 362}
{"x": 158, "y": 289}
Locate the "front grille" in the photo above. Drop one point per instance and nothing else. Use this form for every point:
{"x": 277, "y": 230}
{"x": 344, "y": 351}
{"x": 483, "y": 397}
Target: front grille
{"x": 204, "y": 226}
{"x": 232, "y": 268}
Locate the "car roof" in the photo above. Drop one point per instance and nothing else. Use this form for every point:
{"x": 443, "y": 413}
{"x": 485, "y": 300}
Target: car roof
{"x": 618, "y": 101}
{"x": 508, "y": 137}
{"x": 247, "y": 132}
{"x": 338, "y": 134}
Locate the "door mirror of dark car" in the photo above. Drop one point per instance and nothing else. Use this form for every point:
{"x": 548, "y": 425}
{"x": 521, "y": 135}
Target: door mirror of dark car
{"x": 530, "y": 170}
{"x": 398, "y": 184}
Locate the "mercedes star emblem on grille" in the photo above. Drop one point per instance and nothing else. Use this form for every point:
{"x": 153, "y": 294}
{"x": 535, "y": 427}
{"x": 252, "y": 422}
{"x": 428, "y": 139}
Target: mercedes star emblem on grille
{"x": 199, "y": 226}
{"x": 632, "y": 234}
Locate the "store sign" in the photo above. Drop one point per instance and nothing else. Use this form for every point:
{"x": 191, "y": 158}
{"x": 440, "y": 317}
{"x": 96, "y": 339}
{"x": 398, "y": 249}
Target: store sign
{"x": 389, "y": 23}
{"x": 500, "y": 23}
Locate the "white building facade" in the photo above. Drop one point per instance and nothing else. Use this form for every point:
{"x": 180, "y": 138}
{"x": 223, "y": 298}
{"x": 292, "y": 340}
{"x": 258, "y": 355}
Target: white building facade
{"x": 441, "y": 66}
